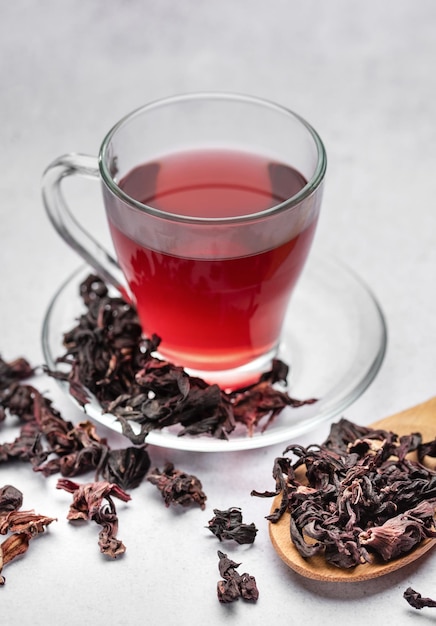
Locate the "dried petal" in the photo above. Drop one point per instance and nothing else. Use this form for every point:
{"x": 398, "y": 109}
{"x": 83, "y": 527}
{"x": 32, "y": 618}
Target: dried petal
{"x": 234, "y": 585}
{"x": 177, "y": 487}
{"x": 13, "y": 546}
{"x": 11, "y": 499}
{"x": 416, "y": 600}
{"x": 26, "y": 447}
{"x": 13, "y": 371}
{"x": 228, "y": 590}
{"x": 248, "y": 586}
{"x": 229, "y": 525}
{"x": 126, "y": 467}
{"x": 23, "y": 526}
{"x": 400, "y": 534}
{"x": 226, "y": 566}
{"x": 253, "y": 403}
{"x": 27, "y": 522}
{"x": 93, "y": 501}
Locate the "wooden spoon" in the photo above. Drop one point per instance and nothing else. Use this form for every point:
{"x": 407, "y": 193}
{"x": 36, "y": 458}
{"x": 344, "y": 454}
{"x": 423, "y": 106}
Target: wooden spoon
{"x": 421, "y": 418}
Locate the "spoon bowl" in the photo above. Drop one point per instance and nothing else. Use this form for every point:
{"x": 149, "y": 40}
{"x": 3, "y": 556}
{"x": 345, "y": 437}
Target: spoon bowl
{"x": 421, "y": 418}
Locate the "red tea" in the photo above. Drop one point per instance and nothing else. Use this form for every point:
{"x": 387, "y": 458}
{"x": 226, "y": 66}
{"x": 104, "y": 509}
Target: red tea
{"x": 212, "y": 313}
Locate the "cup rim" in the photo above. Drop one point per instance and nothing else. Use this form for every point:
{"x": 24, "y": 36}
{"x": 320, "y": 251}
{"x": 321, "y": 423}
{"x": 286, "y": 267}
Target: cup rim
{"x": 311, "y": 186}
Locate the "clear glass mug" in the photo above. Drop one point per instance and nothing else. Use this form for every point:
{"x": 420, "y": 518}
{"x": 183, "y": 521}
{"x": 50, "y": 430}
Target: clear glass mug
{"x": 212, "y": 201}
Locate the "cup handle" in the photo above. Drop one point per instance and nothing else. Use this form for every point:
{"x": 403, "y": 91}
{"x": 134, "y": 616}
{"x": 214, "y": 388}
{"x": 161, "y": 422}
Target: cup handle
{"x": 68, "y": 227}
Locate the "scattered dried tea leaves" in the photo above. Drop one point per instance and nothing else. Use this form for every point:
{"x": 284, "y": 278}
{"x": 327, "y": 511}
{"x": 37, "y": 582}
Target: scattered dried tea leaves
{"x": 229, "y": 525}
{"x": 263, "y": 400}
{"x": 416, "y": 600}
{"x": 14, "y": 371}
{"x": 94, "y": 501}
{"x": 178, "y": 487}
{"x": 127, "y": 467}
{"x": 54, "y": 445}
{"x": 11, "y": 499}
{"x": 22, "y": 526}
{"x": 107, "y": 357}
{"x": 234, "y": 585}
{"x": 357, "y": 497}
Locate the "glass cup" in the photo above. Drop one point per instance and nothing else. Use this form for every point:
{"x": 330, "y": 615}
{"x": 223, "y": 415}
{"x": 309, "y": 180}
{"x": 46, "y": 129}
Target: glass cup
{"x": 212, "y": 202}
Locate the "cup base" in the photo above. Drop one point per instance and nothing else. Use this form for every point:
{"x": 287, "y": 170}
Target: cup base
{"x": 235, "y": 378}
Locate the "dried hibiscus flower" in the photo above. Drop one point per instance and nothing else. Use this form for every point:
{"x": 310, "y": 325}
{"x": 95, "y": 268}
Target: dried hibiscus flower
{"x": 234, "y": 585}
{"x": 177, "y": 487}
{"x": 416, "y": 600}
{"x": 228, "y": 525}
{"x": 126, "y": 467}
{"x": 401, "y": 533}
{"x": 93, "y": 501}
{"x": 14, "y": 371}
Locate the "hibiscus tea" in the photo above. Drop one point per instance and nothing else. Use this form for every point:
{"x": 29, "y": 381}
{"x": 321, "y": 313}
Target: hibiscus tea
{"x": 217, "y": 306}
